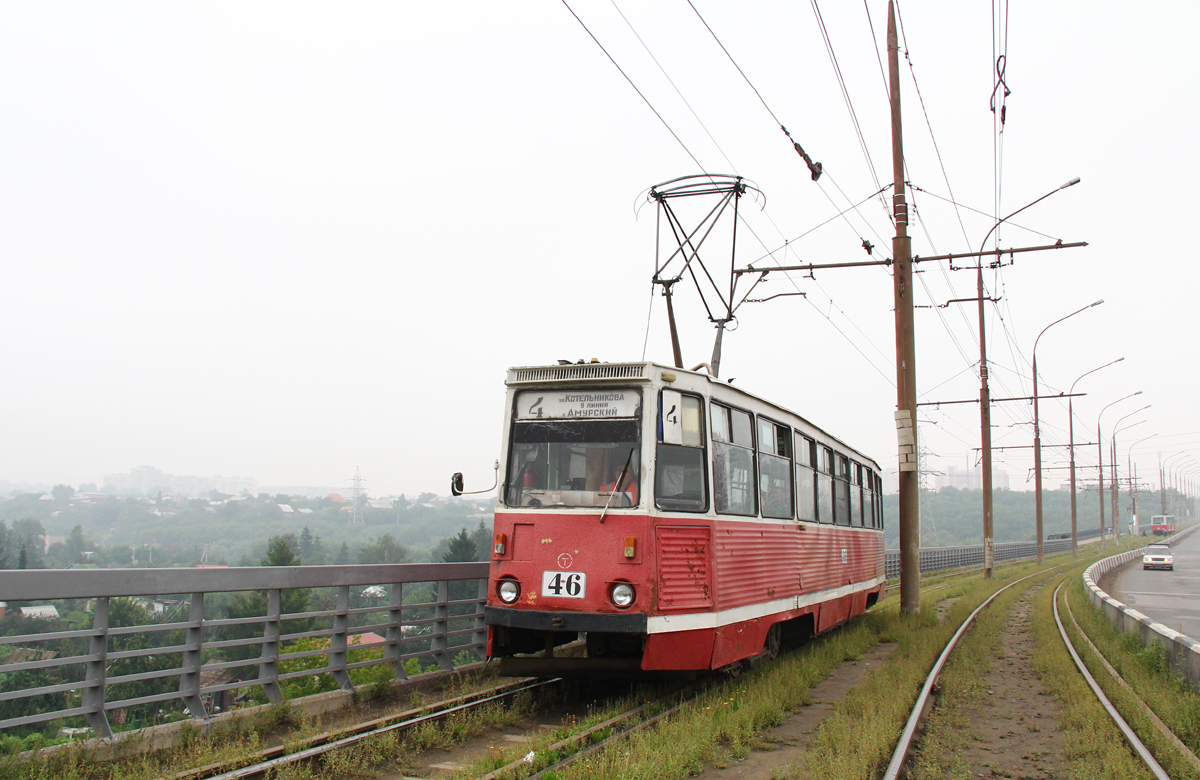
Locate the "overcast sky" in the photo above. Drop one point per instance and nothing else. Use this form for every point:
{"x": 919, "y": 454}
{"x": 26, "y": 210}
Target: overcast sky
{"x": 286, "y": 240}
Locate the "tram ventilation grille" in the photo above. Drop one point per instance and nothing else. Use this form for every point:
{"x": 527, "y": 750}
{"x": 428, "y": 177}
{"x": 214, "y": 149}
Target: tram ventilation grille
{"x": 576, "y": 372}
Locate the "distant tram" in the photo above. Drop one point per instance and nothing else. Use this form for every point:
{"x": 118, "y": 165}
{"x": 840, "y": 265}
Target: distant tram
{"x": 677, "y": 523}
{"x": 1162, "y": 525}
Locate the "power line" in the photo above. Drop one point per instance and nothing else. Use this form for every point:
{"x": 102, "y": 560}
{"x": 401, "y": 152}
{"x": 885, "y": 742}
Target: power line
{"x": 635, "y": 88}
{"x": 814, "y": 168}
{"x": 837, "y": 71}
{"x": 673, "y": 86}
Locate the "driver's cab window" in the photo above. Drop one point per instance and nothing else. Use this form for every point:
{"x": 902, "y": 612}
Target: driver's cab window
{"x": 680, "y": 473}
{"x": 575, "y": 448}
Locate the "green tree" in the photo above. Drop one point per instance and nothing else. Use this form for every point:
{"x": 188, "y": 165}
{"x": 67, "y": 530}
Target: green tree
{"x": 312, "y": 549}
{"x": 462, "y": 548}
{"x": 75, "y": 546}
{"x": 384, "y": 549}
{"x": 343, "y": 556}
{"x": 124, "y": 612}
{"x": 62, "y": 493}
{"x": 283, "y": 550}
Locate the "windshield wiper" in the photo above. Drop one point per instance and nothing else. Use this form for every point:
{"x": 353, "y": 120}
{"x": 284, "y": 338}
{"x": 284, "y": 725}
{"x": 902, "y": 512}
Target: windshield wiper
{"x": 617, "y": 484}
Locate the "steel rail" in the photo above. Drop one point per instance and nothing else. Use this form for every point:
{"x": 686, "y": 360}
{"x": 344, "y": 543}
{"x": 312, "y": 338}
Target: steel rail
{"x": 910, "y": 728}
{"x": 1149, "y": 713}
{"x": 1131, "y": 737}
{"x": 575, "y": 739}
{"x": 330, "y": 742}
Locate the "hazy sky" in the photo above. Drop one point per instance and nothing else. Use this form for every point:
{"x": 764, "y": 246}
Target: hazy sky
{"x": 283, "y": 240}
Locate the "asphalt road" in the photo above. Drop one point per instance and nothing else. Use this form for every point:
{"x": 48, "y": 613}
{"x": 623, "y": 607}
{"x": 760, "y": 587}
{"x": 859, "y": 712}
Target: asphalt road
{"x": 1170, "y": 597}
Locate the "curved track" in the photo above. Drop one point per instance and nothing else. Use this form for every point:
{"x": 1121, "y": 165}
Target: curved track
{"x": 273, "y": 758}
{"x": 910, "y": 727}
{"x": 1128, "y": 732}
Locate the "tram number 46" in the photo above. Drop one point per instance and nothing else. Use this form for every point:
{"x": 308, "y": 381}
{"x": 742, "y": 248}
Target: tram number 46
{"x": 564, "y": 584}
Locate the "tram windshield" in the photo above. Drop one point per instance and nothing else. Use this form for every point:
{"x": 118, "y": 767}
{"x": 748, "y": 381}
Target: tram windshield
{"x": 561, "y": 455}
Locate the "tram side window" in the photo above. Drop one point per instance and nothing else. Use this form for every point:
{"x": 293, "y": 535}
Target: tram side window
{"x": 879, "y": 501}
{"x": 806, "y": 484}
{"x": 679, "y": 472}
{"x": 733, "y": 461}
{"x": 775, "y": 469}
{"x": 856, "y": 503}
{"x": 870, "y": 515}
{"x": 825, "y": 487}
{"x": 841, "y": 490}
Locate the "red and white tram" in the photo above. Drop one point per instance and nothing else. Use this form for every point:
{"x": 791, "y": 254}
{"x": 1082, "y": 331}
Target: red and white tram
{"x": 675, "y": 521}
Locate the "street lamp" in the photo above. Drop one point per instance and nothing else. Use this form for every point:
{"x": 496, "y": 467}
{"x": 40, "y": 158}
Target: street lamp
{"x": 1162, "y": 488}
{"x": 1190, "y": 485}
{"x": 1116, "y": 486}
{"x": 985, "y": 402}
{"x": 1133, "y": 476}
{"x": 1071, "y": 417}
{"x": 1100, "y": 460}
{"x": 1181, "y": 465}
{"x": 1037, "y": 430}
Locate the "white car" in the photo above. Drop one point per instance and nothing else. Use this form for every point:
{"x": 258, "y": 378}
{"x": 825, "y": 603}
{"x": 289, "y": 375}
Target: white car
{"x": 1158, "y": 556}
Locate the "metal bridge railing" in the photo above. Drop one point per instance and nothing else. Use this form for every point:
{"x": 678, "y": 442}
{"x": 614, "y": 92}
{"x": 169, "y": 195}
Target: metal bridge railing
{"x": 938, "y": 558}
{"x": 80, "y": 663}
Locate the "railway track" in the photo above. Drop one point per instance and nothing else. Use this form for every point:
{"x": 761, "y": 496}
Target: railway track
{"x": 313, "y": 748}
{"x": 908, "y": 735}
{"x": 920, "y": 709}
{"x": 561, "y": 753}
{"x": 1127, "y": 731}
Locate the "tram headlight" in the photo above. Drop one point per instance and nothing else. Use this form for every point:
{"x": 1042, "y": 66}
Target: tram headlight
{"x": 622, "y": 594}
{"x": 508, "y": 591}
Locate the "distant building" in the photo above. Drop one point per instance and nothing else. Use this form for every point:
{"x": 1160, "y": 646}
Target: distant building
{"x": 148, "y": 480}
{"x": 970, "y": 479}
{"x": 44, "y": 613}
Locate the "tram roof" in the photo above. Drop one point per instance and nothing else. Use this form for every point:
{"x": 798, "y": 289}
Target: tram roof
{"x": 645, "y": 372}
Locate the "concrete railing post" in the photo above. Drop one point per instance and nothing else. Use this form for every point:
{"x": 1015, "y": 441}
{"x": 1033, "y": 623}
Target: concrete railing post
{"x": 268, "y": 663}
{"x": 395, "y": 631}
{"x": 193, "y": 659}
{"x": 479, "y": 637}
{"x": 337, "y": 649}
{"x": 441, "y": 627}
{"x": 97, "y": 671}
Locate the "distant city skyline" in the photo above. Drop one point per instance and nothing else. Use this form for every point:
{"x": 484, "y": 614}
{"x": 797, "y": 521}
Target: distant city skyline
{"x": 148, "y": 479}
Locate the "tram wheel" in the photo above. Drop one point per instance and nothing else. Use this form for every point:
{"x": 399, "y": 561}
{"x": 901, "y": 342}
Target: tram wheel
{"x": 773, "y": 643}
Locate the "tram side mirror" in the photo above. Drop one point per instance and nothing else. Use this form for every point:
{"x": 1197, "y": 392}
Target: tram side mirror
{"x": 456, "y": 483}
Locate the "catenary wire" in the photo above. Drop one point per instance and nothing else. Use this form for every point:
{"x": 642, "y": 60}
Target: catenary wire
{"x": 674, "y": 86}
{"x": 635, "y": 88}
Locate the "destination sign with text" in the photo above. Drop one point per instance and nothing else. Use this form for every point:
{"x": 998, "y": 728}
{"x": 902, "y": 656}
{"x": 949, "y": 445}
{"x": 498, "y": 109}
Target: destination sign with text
{"x": 577, "y": 404}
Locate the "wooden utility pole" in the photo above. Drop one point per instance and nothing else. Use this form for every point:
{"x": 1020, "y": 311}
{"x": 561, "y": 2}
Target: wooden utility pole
{"x": 906, "y": 352}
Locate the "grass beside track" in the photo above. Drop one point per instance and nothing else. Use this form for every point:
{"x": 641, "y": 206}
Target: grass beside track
{"x": 962, "y": 686}
{"x": 1094, "y": 746}
{"x": 1150, "y": 677}
{"x": 232, "y": 741}
{"x": 728, "y": 722}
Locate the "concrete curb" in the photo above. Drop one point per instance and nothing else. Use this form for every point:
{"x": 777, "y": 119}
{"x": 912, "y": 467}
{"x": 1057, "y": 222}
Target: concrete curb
{"x": 1183, "y": 651}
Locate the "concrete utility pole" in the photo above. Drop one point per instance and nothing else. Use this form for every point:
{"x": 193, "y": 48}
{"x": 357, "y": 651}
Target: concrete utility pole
{"x": 985, "y": 403}
{"x": 906, "y": 351}
{"x": 985, "y": 431}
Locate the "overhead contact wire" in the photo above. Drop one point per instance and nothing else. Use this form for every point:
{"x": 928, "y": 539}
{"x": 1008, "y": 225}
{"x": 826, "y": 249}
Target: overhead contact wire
{"x": 635, "y": 88}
